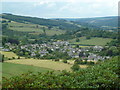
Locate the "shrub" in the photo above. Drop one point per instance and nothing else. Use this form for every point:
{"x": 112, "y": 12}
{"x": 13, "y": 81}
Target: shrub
{"x": 75, "y": 67}
{"x": 90, "y": 63}
{"x": 9, "y": 59}
{"x": 56, "y": 60}
{"x": 13, "y": 57}
{"x": 18, "y": 57}
{"x": 64, "y": 61}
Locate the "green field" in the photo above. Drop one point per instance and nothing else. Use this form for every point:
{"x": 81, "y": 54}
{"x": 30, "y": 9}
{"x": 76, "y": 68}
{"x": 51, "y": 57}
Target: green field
{"x": 11, "y": 69}
{"x": 32, "y": 29}
{"x": 92, "y": 41}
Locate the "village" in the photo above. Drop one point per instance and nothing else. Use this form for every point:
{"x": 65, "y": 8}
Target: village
{"x": 64, "y": 47}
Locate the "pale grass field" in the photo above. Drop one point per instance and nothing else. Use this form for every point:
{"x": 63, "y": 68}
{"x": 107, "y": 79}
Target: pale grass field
{"x": 43, "y": 63}
{"x": 81, "y": 66}
{"x": 9, "y": 54}
{"x": 46, "y": 64}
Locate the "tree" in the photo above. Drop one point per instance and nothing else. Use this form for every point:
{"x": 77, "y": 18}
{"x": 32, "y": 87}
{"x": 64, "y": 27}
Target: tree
{"x": 18, "y": 57}
{"x": 36, "y": 26}
{"x": 75, "y": 67}
{"x": 56, "y": 60}
{"x": 2, "y": 58}
{"x": 77, "y": 46}
{"x": 77, "y": 40}
{"x": 88, "y": 37}
{"x": 64, "y": 61}
{"x": 44, "y": 31}
{"x": 13, "y": 57}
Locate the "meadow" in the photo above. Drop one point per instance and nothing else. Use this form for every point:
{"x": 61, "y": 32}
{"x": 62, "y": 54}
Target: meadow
{"x": 34, "y": 28}
{"x": 92, "y": 41}
{"x": 17, "y": 65}
{"x": 43, "y": 63}
{"x": 9, "y": 54}
{"x": 12, "y": 69}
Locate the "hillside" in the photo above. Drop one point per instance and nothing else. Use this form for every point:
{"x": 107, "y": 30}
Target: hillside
{"x": 16, "y": 29}
{"x": 64, "y": 25}
{"x": 105, "y": 23}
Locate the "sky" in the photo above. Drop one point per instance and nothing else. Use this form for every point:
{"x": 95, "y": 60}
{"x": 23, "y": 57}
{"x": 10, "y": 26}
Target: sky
{"x": 61, "y": 8}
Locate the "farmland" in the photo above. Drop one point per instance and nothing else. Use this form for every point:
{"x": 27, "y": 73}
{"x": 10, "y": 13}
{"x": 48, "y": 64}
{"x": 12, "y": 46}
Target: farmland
{"x": 92, "y": 41}
{"x": 12, "y": 69}
{"x": 9, "y": 54}
{"x": 43, "y": 63}
{"x": 17, "y": 67}
{"x": 34, "y": 28}
{"x": 107, "y": 77}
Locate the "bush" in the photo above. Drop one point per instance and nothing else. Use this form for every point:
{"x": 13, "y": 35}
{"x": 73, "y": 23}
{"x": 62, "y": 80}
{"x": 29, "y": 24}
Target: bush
{"x": 18, "y": 57}
{"x": 13, "y": 57}
{"x": 56, "y": 60}
{"x": 90, "y": 63}
{"x": 64, "y": 61}
{"x": 75, "y": 67}
{"x": 88, "y": 37}
{"x": 9, "y": 59}
{"x": 77, "y": 40}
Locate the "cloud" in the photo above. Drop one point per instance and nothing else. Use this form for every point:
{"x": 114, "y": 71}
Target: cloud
{"x": 72, "y": 1}
{"x": 68, "y": 8}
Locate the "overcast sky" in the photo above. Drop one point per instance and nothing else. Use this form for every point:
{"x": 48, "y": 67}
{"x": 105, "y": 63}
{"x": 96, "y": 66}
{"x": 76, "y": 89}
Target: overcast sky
{"x": 61, "y": 8}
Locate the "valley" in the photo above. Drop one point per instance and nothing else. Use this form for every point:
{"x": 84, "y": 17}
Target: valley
{"x": 57, "y": 52}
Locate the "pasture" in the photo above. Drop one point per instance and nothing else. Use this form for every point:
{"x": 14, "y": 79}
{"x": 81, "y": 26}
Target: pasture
{"x": 43, "y": 63}
{"x": 11, "y": 69}
{"x": 92, "y": 41}
{"x": 34, "y": 28}
{"x": 9, "y": 54}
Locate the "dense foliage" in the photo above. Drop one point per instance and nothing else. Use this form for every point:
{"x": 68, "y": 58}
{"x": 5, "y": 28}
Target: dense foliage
{"x": 103, "y": 75}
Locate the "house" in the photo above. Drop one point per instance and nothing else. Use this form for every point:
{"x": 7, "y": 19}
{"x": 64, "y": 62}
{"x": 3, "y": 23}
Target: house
{"x": 5, "y": 50}
{"x": 97, "y": 48}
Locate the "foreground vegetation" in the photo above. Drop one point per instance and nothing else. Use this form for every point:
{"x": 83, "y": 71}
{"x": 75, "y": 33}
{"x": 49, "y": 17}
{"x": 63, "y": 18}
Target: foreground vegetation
{"x": 103, "y": 75}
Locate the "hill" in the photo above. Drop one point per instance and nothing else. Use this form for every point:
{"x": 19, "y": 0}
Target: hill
{"x": 62, "y": 24}
{"x": 105, "y": 23}
{"x": 16, "y": 29}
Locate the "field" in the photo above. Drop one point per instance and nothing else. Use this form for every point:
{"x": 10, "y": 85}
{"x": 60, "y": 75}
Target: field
{"x": 92, "y": 41}
{"x": 11, "y": 69}
{"x": 9, "y": 54}
{"x": 16, "y": 67}
{"x": 34, "y": 28}
{"x": 43, "y": 63}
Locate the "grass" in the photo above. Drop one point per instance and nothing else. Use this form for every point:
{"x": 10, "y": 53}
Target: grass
{"x": 43, "y": 63}
{"x": 92, "y": 41}
{"x": 9, "y": 54}
{"x": 12, "y": 69}
{"x": 31, "y": 28}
